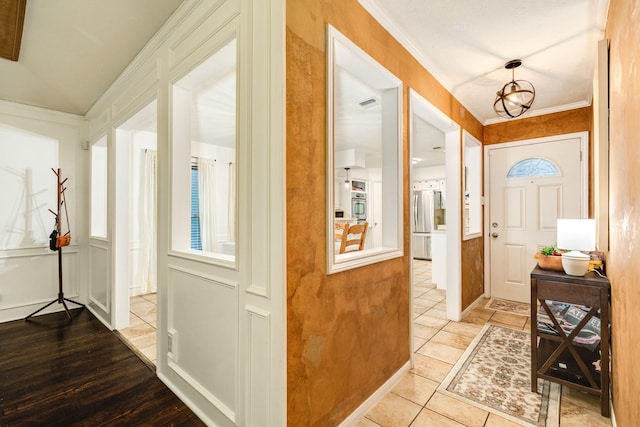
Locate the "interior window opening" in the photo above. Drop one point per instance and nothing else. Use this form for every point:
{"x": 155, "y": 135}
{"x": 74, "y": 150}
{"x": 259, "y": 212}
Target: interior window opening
{"x": 364, "y": 187}
{"x": 204, "y": 157}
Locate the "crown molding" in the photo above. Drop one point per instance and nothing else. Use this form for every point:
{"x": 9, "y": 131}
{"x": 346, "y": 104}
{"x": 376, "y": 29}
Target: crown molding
{"x": 540, "y": 112}
{"x": 16, "y": 109}
{"x": 147, "y": 52}
{"x": 403, "y": 38}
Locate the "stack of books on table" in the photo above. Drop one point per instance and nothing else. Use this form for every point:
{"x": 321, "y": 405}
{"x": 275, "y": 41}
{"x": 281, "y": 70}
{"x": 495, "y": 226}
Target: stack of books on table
{"x": 568, "y": 316}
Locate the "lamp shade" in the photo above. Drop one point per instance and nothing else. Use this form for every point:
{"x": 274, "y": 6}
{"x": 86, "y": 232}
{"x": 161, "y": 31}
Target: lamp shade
{"x": 577, "y": 234}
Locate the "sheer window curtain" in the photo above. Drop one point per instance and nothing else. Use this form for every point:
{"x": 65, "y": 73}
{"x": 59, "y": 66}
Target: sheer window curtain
{"x": 207, "y": 199}
{"x": 148, "y": 223}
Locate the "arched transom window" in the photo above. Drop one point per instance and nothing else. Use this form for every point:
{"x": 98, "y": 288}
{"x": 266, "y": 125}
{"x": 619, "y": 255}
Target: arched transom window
{"x": 533, "y": 167}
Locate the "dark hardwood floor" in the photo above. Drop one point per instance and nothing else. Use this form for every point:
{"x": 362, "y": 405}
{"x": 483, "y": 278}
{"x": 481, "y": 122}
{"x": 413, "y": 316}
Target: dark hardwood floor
{"x": 56, "y": 372}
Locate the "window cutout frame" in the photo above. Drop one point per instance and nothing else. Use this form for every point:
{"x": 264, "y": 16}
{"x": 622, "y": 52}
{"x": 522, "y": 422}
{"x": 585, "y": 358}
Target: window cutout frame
{"x": 472, "y": 209}
{"x": 392, "y": 245}
{"x": 182, "y": 153}
{"x": 99, "y": 232}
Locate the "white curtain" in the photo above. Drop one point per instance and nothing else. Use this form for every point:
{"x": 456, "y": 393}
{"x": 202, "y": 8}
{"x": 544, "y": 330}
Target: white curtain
{"x": 148, "y": 215}
{"x": 207, "y": 201}
{"x": 231, "y": 221}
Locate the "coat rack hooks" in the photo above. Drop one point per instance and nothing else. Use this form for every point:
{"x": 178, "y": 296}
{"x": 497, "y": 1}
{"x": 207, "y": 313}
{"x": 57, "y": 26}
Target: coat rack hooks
{"x": 60, "y": 241}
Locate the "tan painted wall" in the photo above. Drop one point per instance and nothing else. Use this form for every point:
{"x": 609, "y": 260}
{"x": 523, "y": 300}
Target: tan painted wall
{"x": 578, "y": 120}
{"x": 472, "y": 271}
{"x": 349, "y": 332}
{"x": 623, "y": 266}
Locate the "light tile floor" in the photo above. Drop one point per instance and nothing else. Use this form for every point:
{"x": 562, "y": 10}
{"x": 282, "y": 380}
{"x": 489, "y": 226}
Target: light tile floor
{"x": 438, "y": 343}
{"x": 141, "y": 332}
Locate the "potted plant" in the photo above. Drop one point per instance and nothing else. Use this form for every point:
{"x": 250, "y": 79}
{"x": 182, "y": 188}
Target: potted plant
{"x": 550, "y": 258}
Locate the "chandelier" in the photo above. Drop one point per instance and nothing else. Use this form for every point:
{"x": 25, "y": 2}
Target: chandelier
{"x": 515, "y": 97}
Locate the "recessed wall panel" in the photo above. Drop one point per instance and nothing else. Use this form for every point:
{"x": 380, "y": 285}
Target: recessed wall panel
{"x": 203, "y": 319}
{"x": 99, "y": 278}
{"x": 259, "y": 366}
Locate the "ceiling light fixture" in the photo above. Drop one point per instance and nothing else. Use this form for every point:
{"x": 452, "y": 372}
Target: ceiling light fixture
{"x": 347, "y": 182}
{"x": 515, "y": 97}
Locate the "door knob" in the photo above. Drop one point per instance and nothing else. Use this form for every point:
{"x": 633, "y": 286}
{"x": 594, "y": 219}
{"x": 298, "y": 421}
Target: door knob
{"x": 494, "y": 235}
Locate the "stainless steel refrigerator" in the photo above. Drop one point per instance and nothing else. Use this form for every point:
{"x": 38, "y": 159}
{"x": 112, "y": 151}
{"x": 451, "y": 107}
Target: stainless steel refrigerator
{"x": 422, "y": 223}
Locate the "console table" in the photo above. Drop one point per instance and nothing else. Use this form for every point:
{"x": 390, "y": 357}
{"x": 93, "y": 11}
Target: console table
{"x": 559, "y": 357}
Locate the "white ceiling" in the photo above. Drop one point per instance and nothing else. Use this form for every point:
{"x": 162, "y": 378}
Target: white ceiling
{"x": 428, "y": 144}
{"x": 73, "y": 50}
{"x": 464, "y": 44}
{"x": 358, "y": 127}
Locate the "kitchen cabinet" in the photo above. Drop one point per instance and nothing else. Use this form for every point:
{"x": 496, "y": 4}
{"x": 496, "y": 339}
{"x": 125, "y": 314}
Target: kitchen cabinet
{"x": 570, "y": 332}
{"x": 431, "y": 184}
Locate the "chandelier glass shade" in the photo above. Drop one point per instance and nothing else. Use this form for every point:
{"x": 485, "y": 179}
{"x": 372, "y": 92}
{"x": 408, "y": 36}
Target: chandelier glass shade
{"x": 515, "y": 97}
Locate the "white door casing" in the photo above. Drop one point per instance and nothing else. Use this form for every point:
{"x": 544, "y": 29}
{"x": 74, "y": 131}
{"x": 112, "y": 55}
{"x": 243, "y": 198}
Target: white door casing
{"x": 522, "y": 211}
{"x": 422, "y": 108}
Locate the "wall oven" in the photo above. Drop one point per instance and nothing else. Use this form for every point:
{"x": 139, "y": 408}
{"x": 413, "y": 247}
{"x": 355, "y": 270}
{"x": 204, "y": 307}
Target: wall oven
{"x": 359, "y": 206}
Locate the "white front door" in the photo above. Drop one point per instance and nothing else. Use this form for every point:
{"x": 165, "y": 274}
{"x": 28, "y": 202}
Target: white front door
{"x": 531, "y": 186}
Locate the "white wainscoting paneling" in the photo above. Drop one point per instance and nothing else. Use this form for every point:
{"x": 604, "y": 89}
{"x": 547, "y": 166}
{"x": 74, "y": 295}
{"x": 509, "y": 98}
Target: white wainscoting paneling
{"x": 227, "y": 321}
{"x": 203, "y": 314}
{"x": 259, "y": 401}
{"x": 99, "y": 278}
{"x": 30, "y": 282}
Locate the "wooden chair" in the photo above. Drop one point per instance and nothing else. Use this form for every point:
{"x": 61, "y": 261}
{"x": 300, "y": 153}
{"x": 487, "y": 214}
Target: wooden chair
{"x": 341, "y": 227}
{"x": 348, "y": 243}
{"x": 341, "y": 232}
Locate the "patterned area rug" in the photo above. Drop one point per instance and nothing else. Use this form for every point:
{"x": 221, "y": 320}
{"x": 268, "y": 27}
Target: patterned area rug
{"x": 494, "y": 374}
{"x": 512, "y": 307}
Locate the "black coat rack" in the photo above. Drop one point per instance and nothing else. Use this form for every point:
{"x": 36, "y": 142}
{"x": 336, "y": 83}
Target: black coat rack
{"x": 58, "y": 240}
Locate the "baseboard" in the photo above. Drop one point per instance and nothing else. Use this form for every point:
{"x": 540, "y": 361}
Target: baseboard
{"x": 185, "y": 399}
{"x": 613, "y": 414}
{"x": 21, "y": 311}
{"x": 472, "y": 305}
{"x": 98, "y": 316}
{"x": 376, "y": 397}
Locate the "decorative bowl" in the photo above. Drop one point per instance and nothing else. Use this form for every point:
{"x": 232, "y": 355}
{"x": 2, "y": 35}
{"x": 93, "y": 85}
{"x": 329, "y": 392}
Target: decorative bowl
{"x": 550, "y": 262}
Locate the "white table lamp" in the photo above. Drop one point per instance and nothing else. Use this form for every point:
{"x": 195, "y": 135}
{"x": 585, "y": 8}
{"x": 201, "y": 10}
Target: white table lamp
{"x": 576, "y": 235}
